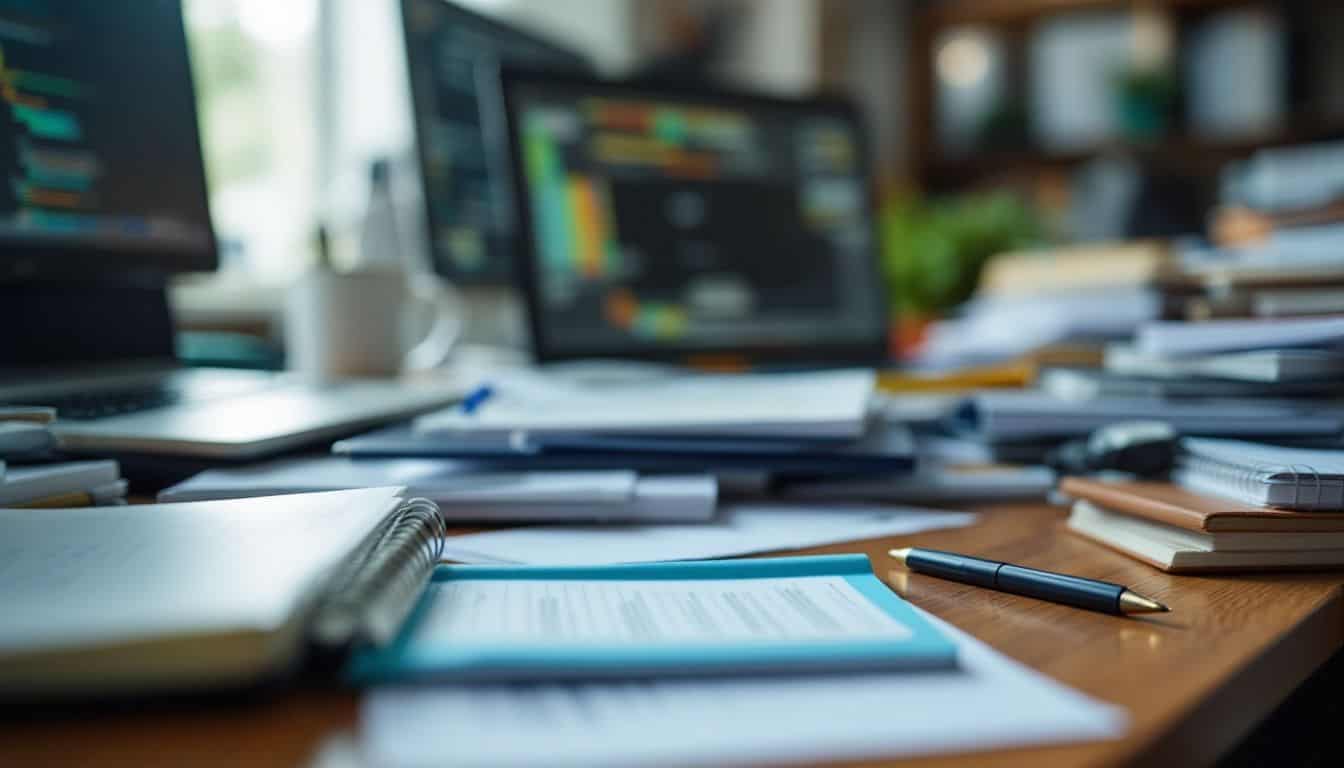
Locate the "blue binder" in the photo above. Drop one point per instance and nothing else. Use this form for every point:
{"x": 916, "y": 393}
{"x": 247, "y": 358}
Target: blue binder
{"x": 414, "y": 656}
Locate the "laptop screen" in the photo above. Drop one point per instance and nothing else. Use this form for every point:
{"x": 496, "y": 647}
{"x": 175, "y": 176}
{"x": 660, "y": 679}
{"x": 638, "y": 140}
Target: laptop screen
{"x": 664, "y": 223}
{"x": 102, "y": 160}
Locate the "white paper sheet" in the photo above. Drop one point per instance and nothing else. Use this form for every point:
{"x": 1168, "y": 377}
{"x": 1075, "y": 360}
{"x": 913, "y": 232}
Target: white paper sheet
{"x": 991, "y": 702}
{"x": 823, "y": 404}
{"x": 640, "y": 613}
{"x": 738, "y": 529}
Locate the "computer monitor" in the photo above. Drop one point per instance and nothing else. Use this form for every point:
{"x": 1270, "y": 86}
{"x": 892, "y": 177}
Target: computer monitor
{"x": 99, "y": 142}
{"x": 454, "y": 58}
{"x": 674, "y": 223}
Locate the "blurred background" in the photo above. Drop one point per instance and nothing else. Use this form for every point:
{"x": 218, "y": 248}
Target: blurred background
{"x": 996, "y": 124}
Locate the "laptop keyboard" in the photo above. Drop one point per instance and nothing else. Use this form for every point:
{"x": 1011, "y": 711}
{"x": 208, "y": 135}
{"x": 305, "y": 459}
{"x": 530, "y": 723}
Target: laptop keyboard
{"x": 85, "y": 406}
{"x": 186, "y": 387}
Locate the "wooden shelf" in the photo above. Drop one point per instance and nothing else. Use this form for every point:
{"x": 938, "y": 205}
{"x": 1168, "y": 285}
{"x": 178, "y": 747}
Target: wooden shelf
{"x": 1179, "y": 152}
{"x": 956, "y": 12}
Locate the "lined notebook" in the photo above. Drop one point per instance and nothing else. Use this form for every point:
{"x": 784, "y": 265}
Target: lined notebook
{"x": 1266, "y": 475}
{"x": 206, "y": 594}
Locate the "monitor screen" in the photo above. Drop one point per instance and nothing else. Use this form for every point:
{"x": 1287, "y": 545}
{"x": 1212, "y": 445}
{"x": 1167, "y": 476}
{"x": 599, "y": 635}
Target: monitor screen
{"x": 454, "y": 57}
{"x": 98, "y": 140}
{"x": 665, "y": 223}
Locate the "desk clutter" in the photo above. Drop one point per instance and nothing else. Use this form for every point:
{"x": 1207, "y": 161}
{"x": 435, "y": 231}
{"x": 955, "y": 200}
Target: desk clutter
{"x": 589, "y": 554}
{"x": 33, "y": 475}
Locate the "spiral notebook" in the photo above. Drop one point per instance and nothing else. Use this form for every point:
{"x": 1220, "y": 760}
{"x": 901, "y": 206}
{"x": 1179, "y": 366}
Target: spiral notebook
{"x": 199, "y": 595}
{"x": 1267, "y": 475}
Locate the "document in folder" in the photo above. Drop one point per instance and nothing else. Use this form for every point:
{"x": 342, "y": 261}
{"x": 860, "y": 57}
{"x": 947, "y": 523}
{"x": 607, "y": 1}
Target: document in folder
{"x": 730, "y": 616}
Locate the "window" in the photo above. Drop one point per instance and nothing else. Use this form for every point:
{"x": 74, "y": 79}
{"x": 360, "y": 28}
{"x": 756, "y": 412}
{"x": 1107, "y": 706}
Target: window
{"x": 255, "y": 64}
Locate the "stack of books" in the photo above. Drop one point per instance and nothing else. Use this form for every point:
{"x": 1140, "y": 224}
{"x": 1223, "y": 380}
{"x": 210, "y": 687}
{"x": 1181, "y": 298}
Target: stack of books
{"x": 1079, "y": 296}
{"x": 30, "y": 475}
{"x": 1231, "y": 505}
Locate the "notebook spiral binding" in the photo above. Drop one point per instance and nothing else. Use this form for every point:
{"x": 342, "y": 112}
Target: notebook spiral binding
{"x": 373, "y": 593}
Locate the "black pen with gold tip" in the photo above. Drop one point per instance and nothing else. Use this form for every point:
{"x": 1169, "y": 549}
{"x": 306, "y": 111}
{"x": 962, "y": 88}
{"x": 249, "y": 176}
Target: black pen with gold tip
{"x": 1078, "y": 592}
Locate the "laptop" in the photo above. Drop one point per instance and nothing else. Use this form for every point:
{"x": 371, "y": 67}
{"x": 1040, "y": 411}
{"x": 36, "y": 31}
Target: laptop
{"x": 105, "y": 200}
{"x": 689, "y": 224}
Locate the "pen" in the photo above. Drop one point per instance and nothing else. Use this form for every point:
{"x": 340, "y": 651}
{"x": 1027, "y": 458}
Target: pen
{"x": 1078, "y": 592}
{"x": 477, "y": 397}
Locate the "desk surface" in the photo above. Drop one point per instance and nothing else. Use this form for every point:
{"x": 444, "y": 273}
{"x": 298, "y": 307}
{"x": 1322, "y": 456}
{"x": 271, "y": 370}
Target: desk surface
{"x": 1195, "y": 681}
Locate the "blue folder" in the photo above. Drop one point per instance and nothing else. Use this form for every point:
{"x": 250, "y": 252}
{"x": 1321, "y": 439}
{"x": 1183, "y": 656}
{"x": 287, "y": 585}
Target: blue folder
{"x": 887, "y": 449}
{"x": 414, "y": 658}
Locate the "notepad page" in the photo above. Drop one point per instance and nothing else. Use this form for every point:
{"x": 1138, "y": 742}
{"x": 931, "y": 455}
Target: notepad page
{"x": 644, "y": 612}
{"x": 1269, "y": 458}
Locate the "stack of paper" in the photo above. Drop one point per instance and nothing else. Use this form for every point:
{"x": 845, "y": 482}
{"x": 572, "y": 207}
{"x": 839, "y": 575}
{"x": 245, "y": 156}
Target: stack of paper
{"x": 466, "y": 493}
{"x": 61, "y": 484}
{"x": 738, "y": 529}
{"x": 796, "y": 424}
{"x": 814, "y": 405}
{"x": 738, "y": 721}
{"x": 1173, "y": 339}
{"x": 1028, "y": 415}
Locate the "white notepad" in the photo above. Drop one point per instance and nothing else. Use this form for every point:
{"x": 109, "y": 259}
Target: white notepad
{"x": 1266, "y": 475}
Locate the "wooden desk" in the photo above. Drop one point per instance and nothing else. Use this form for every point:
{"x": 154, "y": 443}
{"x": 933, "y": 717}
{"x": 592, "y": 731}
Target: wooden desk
{"x": 1195, "y": 681}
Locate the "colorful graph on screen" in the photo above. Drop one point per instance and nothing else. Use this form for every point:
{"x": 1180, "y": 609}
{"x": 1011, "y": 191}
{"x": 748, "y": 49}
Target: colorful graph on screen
{"x": 575, "y": 225}
{"x": 687, "y": 222}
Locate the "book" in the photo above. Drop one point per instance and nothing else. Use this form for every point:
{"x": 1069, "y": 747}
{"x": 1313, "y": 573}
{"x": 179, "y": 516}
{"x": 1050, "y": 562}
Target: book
{"x": 182, "y": 597}
{"x": 1171, "y": 504}
{"x": 1073, "y": 269}
{"x": 1222, "y": 541}
{"x": 1000, "y": 329}
{"x": 1173, "y": 338}
{"x": 1267, "y": 475}
{"x": 819, "y": 613}
{"x": 1267, "y": 365}
{"x": 1320, "y": 299}
{"x": 1177, "y": 551}
{"x": 22, "y": 484}
{"x": 1033, "y": 415}
{"x": 466, "y": 493}
{"x": 833, "y": 404}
